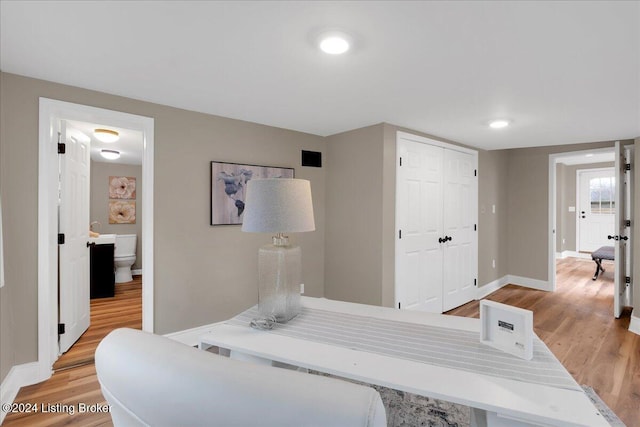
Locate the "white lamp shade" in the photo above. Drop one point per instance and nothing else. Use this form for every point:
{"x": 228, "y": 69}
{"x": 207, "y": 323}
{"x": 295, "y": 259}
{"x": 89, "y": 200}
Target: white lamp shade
{"x": 278, "y": 205}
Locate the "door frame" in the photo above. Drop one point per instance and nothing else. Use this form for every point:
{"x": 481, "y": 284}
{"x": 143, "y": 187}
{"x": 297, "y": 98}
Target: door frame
{"x": 578, "y": 200}
{"x": 553, "y": 160}
{"x": 50, "y": 111}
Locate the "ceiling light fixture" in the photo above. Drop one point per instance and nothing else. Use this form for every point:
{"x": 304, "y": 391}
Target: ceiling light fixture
{"x": 110, "y": 154}
{"x": 499, "y": 124}
{"x": 106, "y": 135}
{"x": 334, "y": 42}
{"x": 589, "y": 155}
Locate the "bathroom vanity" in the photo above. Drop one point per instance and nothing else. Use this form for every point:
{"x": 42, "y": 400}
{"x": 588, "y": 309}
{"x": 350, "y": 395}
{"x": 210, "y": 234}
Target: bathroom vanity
{"x": 102, "y": 275}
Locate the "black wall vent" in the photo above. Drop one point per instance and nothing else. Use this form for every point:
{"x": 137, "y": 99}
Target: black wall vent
{"x": 312, "y": 159}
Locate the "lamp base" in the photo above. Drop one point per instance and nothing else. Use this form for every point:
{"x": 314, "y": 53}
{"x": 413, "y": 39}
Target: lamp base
{"x": 279, "y": 278}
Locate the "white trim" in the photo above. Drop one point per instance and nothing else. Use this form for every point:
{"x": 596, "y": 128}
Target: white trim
{"x": 423, "y": 140}
{"x": 489, "y": 288}
{"x": 634, "y": 325}
{"x": 51, "y": 111}
{"x": 573, "y": 254}
{"x": 527, "y": 282}
{"x": 191, "y": 336}
{"x": 137, "y": 272}
{"x": 18, "y": 376}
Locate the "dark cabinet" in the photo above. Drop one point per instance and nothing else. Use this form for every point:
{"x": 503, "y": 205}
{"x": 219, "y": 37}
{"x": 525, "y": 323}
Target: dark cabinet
{"x": 102, "y": 273}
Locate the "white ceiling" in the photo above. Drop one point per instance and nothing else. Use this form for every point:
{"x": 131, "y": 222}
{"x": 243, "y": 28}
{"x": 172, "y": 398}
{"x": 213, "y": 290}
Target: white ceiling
{"x": 130, "y": 143}
{"x": 563, "y": 72}
{"x": 584, "y": 159}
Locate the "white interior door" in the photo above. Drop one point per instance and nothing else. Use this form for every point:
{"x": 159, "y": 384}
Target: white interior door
{"x": 460, "y": 254}
{"x": 74, "y": 309}
{"x": 621, "y": 238}
{"x": 419, "y": 226}
{"x": 596, "y": 218}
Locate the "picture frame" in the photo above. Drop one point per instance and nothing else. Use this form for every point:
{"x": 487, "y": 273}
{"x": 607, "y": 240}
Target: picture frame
{"x": 507, "y": 328}
{"x": 228, "y": 186}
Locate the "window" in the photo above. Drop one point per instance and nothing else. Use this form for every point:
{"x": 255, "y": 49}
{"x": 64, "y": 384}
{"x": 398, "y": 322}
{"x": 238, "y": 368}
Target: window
{"x": 602, "y": 191}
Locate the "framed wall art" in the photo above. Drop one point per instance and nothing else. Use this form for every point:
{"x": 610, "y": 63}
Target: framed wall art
{"x": 122, "y": 212}
{"x": 122, "y": 187}
{"x": 228, "y": 187}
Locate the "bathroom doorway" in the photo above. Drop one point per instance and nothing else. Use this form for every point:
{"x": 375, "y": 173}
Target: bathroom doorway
{"x": 52, "y": 116}
{"x": 115, "y": 238}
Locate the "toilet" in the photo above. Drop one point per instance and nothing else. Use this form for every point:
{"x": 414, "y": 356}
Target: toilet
{"x": 124, "y": 256}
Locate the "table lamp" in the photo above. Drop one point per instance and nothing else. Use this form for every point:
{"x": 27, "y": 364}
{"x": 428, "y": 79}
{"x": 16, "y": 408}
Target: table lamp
{"x": 279, "y": 205}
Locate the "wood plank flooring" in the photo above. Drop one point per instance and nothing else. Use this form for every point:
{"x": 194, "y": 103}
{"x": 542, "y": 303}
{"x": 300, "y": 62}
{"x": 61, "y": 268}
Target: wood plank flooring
{"x": 124, "y": 310}
{"x": 576, "y": 322}
{"x": 74, "y": 381}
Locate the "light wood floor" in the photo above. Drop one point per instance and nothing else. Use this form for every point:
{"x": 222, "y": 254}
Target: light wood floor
{"x": 74, "y": 380}
{"x": 576, "y": 322}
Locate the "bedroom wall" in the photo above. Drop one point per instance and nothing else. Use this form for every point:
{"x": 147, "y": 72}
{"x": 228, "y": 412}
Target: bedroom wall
{"x": 353, "y": 269}
{"x": 99, "y": 211}
{"x": 203, "y": 274}
{"x": 566, "y": 196}
{"x": 528, "y": 207}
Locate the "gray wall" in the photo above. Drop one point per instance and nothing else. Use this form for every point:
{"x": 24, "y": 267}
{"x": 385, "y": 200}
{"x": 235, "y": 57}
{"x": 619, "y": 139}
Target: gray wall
{"x": 99, "y": 211}
{"x": 353, "y": 257}
{"x": 203, "y": 274}
{"x": 565, "y": 197}
{"x": 528, "y": 208}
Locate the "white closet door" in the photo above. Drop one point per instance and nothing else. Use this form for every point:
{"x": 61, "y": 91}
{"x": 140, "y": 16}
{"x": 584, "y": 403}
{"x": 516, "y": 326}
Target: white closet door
{"x": 419, "y": 226}
{"x": 460, "y": 254}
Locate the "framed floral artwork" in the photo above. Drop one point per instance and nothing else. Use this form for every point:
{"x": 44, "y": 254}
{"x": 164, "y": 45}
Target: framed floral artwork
{"x": 122, "y": 187}
{"x": 228, "y": 186}
{"x": 122, "y": 212}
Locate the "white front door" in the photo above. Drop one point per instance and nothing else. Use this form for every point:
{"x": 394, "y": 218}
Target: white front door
{"x": 460, "y": 255}
{"x": 419, "y": 223}
{"x": 74, "y": 311}
{"x": 596, "y": 219}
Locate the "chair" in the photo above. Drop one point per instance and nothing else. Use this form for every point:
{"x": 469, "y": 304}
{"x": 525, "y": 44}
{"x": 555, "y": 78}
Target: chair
{"x": 150, "y": 380}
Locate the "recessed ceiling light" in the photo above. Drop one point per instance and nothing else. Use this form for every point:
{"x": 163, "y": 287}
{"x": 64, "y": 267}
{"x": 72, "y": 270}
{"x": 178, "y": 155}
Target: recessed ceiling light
{"x": 334, "y": 42}
{"x": 106, "y": 135}
{"x": 499, "y": 124}
{"x": 110, "y": 154}
{"x": 589, "y": 155}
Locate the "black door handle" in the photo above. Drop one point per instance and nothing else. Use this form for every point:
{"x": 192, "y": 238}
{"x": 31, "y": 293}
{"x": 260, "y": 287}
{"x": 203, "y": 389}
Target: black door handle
{"x": 614, "y": 238}
{"x": 441, "y": 240}
{"x": 448, "y": 238}
{"x": 91, "y": 244}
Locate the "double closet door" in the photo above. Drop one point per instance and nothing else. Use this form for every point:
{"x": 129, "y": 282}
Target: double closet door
{"x": 436, "y": 224}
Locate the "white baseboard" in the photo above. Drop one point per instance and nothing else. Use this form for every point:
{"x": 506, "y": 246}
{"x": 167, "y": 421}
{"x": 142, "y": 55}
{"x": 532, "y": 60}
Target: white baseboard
{"x": 19, "y": 376}
{"x": 491, "y": 287}
{"x": 191, "y": 336}
{"x": 527, "y": 282}
{"x": 634, "y": 326}
{"x": 137, "y": 272}
{"x": 572, "y": 254}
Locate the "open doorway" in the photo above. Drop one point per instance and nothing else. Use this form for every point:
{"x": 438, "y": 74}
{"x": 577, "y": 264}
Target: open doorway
{"x": 53, "y": 116}
{"x": 113, "y": 219}
{"x": 602, "y": 195}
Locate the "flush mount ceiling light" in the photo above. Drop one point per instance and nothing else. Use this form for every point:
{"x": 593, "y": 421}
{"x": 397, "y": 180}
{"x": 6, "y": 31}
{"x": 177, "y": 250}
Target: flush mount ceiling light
{"x": 110, "y": 154}
{"x": 499, "y": 124}
{"x": 334, "y": 42}
{"x": 106, "y": 135}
